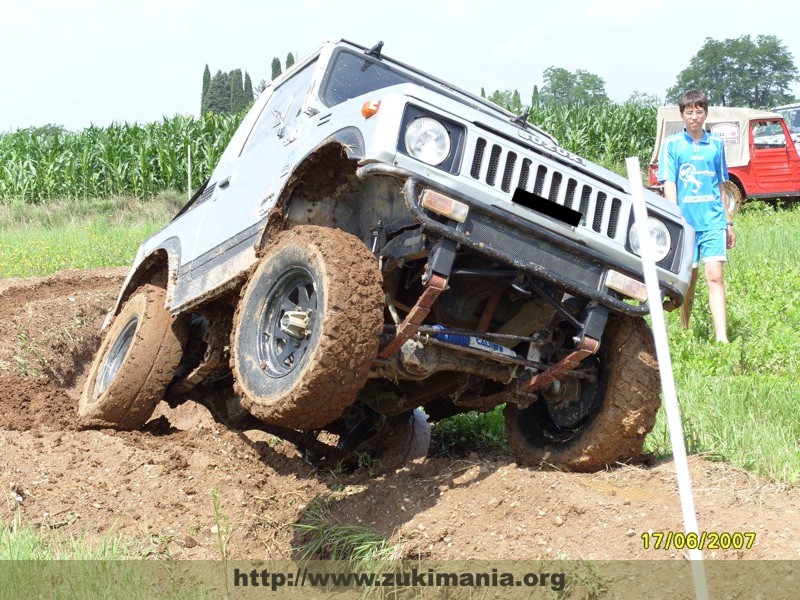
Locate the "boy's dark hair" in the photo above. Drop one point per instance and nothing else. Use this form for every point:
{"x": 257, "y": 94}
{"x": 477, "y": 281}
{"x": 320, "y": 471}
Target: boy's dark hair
{"x": 694, "y": 98}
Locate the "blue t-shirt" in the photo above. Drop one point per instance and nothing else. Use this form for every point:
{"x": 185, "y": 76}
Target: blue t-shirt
{"x": 697, "y": 168}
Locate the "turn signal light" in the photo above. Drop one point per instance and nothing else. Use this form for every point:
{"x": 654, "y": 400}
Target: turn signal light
{"x": 628, "y": 286}
{"x": 369, "y": 108}
{"x": 447, "y": 207}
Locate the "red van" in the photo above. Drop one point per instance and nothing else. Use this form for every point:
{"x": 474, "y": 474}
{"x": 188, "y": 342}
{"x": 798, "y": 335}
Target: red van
{"x": 763, "y": 161}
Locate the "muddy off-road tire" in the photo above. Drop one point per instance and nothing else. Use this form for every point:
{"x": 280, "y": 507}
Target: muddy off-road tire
{"x": 302, "y": 375}
{"x": 135, "y": 363}
{"x": 733, "y": 197}
{"x": 599, "y": 424}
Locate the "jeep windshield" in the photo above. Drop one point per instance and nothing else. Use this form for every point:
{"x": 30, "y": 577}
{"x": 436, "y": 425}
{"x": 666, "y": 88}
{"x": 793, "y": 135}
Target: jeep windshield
{"x": 791, "y": 114}
{"x": 352, "y": 75}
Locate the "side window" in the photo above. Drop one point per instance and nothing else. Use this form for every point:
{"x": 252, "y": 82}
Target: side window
{"x": 284, "y": 105}
{"x": 768, "y": 134}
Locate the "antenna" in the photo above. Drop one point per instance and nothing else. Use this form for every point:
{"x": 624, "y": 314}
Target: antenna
{"x": 375, "y": 50}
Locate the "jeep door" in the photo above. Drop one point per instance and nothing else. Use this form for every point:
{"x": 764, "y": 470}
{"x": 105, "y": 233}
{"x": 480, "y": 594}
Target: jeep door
{"x": 248, "y": 185}
{"x": 773, "y": 159}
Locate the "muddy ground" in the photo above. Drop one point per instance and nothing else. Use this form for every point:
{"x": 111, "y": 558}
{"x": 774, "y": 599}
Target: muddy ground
{"x": 155, "y": 486}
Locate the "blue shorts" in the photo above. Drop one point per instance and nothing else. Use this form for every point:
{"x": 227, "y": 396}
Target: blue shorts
{"x": 711, "y": 245}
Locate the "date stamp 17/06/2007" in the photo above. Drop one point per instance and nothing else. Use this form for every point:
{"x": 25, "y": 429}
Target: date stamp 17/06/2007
{"x": 706, "y": 540}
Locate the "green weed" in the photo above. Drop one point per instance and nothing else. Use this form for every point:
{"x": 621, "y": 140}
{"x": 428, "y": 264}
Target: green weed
{"x": 327, "y": 538}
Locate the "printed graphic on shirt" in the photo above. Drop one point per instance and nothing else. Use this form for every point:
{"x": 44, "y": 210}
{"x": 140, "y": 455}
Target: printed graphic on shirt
{"x": 688, "y": 174}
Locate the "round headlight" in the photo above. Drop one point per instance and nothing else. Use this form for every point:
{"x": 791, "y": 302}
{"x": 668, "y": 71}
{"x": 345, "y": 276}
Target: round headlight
{"x": 427, "y": 140}
{"x": 659, "y": 236}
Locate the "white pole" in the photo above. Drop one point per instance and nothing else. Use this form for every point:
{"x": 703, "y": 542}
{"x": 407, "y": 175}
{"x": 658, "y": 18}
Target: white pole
{"x": 188, "y": 172}
{"x": 665, "y": 370}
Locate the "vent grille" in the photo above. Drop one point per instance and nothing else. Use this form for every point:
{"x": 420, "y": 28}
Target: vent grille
{"x": 525, "y": 173}
{"x": 511, "y": 160}
{"x": 477, "y": 159}
{"x": 208, "y": 192}
{"x": 598, "y": 211}
{"x": 494, "y": 160}
{"x": 505, "y": 170}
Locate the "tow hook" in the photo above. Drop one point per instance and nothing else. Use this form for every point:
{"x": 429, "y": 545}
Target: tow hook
{"x": 295, "y": 323}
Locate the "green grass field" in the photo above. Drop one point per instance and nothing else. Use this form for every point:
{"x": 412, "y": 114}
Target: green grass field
{"x": 37, "y": 240}
{"x": 740, "y": 402}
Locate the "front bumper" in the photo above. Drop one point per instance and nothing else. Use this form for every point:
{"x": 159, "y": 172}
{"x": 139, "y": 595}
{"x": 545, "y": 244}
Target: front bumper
{"x": 523, "y": 245}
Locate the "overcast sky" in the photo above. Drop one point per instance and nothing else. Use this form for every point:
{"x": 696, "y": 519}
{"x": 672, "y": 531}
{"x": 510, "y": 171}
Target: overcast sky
{"x": 77, "y": 62}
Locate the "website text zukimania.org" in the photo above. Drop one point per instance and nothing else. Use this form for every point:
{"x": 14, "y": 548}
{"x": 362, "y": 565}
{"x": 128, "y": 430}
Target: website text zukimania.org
{"x": 412, "y": 577}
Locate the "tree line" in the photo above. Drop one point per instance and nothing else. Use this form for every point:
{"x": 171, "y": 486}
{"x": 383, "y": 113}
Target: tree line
{"x": 755, "y": 72}
{"x": 232, "y": 93}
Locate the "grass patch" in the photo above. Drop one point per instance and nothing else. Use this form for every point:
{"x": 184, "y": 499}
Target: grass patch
{"x": 37, "y": 240}
{"x": 37, "y": 562}
{"x": 460, "y": 435}
{"x": 327, "y": 538}
{"x": 19, "y": 541}
{"x": 739, "y": 402}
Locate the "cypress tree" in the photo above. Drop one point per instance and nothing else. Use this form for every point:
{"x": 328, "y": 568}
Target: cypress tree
{"x": 237, "y": 91}
{"x": 219, "y": 94}
{"x": 289, "y": 60}
{"x": 276, "y": 67}
{"x": 204, "y": 95}
{"x": 248, "y": 89}
{"x": 516, "y": 102}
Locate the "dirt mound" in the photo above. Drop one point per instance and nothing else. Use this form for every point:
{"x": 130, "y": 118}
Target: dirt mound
{"x": 157, "y": 486}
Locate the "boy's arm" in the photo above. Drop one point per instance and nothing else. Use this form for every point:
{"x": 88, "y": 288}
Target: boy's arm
{"x": 671, "y": 191}
{"x": 723, "y": 177}
{"x": 730, "y": 238}
{"x": 667, "y": 173}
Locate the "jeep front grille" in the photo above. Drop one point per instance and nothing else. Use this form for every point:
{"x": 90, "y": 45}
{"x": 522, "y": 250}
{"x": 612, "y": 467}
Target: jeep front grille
{"x": 505, "y": 170}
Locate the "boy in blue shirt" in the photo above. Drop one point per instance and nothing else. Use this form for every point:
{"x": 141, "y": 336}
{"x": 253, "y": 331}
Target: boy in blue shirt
{"x": 692, "y": 167}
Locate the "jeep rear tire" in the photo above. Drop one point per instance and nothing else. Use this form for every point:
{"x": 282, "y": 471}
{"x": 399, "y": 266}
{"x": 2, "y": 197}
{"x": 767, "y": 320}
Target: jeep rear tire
{"x": 733, "y": 197}
{"x": 135, "y": 363}
{"x": 307, "y": 328}
{"x": 588, "y": 426}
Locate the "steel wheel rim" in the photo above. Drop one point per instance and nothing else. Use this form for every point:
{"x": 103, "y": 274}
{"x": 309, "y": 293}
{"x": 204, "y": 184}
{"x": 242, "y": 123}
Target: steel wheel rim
{"x": 280, "y": 353}
{"x": 115, "y": 357}
{"x": 730, "y": 200}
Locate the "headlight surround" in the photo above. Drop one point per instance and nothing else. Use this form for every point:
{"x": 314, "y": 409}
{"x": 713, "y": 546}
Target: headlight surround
{"x": 659, "y": 235}
{"x": 426, "y": 139}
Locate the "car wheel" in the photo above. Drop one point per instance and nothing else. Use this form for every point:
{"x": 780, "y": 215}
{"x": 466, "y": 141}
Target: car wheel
{"x": 733, "y": 197}
{"x": 135, "y": 363}
{"x": 307, "y": 328}
{"x": 577, "y": 425}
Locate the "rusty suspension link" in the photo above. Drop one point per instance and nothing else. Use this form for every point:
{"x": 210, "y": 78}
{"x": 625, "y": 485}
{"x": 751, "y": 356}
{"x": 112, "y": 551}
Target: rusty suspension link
{"x": 414, "y": 319}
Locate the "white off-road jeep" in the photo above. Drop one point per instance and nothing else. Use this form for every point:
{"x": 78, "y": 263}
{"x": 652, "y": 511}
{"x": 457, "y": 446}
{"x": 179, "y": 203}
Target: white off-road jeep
{"x": 375, "y": 240}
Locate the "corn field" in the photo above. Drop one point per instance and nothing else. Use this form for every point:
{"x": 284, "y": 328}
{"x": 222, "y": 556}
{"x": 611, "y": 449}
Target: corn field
{"x": 121, "y": 159}
{"x": 142, "y": 160}
{"x": 603, "y": 133}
